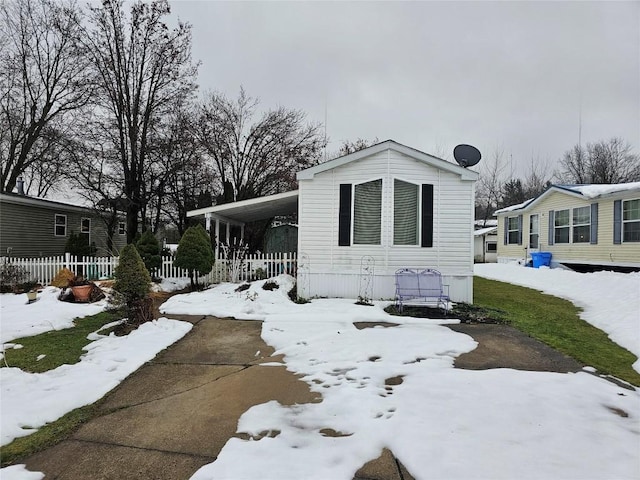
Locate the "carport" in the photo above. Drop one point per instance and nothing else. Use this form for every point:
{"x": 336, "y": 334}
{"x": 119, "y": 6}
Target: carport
{"x": 237, "y": 214}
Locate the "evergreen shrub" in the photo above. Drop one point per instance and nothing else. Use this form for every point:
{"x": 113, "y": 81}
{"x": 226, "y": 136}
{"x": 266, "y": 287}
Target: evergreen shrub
{"x": 194, "y": 253}
{"x": 149, "y": 249}
{"x": 133, "y": 282}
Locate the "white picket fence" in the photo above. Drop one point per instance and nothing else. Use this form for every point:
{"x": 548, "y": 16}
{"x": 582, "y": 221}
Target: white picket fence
{"x": 252, "y": 267}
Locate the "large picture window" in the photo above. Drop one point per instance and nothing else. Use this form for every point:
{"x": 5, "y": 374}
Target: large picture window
{"x": 561, "y": 226}
{"x": 581, "y": 225}
{"x": 367, "y": 213}
{"x": 60, "y": 225}
{"x": 631, "y": 220}
{"x": 405, "y": 213}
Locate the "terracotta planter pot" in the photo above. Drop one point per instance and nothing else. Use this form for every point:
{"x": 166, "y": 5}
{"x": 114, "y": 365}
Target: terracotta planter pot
{"x": 81, "y": 293}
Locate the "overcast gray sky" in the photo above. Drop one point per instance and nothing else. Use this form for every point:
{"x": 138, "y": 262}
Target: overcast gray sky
{"x": 431, "y": 75}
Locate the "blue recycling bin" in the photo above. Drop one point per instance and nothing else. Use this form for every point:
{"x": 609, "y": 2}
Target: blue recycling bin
{"x": 541, "y": 259}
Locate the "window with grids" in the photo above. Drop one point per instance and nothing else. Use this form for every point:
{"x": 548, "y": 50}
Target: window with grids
{"x": 582, "y": 225}
{"x": 85, "y": 225}
{"x": 405, "y": 213}
{"x": 631, "y": 220}
{"x": 534, "y": 231}
{"x": 60, "y": 225}
{"x": 367, "y": 213}
{"x": 513, "y": 231}
{"x": 561, "y": 226}
{"x": 122, "y": 228}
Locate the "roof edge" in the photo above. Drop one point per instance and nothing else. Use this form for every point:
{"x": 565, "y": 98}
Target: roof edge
{"x": 464, "y": 173}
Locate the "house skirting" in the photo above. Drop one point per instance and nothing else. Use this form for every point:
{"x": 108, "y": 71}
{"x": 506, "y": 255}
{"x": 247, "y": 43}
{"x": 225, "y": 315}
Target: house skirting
{"x": 353, "y": 285}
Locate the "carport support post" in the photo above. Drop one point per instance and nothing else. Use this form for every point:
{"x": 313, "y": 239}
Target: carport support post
{"x": 217, "y": 240}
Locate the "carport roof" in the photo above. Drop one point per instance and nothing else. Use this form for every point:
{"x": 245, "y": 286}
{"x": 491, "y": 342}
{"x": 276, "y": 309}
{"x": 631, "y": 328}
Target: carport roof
{"x": 253, "y": 209}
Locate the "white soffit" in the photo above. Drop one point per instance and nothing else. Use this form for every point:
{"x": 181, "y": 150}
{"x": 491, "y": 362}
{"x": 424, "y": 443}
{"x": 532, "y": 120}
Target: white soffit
{"x": 254, "y": 209}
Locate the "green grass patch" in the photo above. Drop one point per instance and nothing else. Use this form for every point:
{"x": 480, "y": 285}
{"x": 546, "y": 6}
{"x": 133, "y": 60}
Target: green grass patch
{"x": 60, "y": 346}
{"x": 557, "y": 323}
{"x": 46, "y": 436}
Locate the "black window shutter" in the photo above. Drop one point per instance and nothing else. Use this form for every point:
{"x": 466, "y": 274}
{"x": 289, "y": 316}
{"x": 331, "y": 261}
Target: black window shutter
{"x": 594, "y": 224}
{"x": 551, "y": 226}
{"x": 617, "y": 222}
{"x": 344, "y": 215}
{"x": 427, "y": 215}
{"x": 506, "y": 231}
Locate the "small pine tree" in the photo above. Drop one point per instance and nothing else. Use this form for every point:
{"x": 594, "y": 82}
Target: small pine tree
{"x": 195, "y": 253}
{"x": 133, "y": 282}
{"x": 149, "y": 249}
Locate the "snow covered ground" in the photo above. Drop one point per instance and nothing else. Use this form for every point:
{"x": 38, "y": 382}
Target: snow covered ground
{"x": 30, "y": 400}
{"x": 396, "y": 388}
{"x": 17, "y": 319}
{"x": 611, "y": 301}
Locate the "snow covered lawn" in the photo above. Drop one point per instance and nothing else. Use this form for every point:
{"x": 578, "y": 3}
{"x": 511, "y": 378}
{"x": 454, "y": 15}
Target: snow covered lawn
{"x": 610, "y": 300}
{"x": 30, "y": 400}
{"x": 18, "y": 319}
{"x": 395, "y": 387}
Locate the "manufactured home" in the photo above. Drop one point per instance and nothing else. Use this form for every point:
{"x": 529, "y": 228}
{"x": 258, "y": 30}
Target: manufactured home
{"x": 582, "y": 226}
{"x": 370, "y": 213}
{"x": 398, "y": 207}
{"x": 36, "y": 227}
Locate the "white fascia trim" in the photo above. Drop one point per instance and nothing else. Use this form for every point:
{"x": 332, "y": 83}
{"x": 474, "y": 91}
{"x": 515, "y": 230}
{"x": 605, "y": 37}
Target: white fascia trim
{"x": 465, "y": 174}
{"x": 216, "y": 209}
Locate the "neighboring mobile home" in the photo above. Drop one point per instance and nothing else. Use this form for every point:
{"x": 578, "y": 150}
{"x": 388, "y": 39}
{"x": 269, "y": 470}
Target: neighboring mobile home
{"x": 581, "y": 225}
{"x": 397, "y": 205}
{"x": 35, "y": 227}
{"x": 485, "y": 245}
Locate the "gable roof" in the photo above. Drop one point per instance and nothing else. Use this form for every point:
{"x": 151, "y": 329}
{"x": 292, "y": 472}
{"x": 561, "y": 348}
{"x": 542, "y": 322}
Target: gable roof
{"x": 465, "y": 174}
{"x": 591, "y": 191}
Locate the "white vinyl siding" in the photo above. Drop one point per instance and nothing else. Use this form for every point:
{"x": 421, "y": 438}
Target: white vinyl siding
{"x": 581, "y": 225}
{"x": 367, "y": 213}
{"x": 631, "y": 220}
{"x": 60, "y": 225}
{"x": 561, "y": 227}
{"x": 405, "y": 213}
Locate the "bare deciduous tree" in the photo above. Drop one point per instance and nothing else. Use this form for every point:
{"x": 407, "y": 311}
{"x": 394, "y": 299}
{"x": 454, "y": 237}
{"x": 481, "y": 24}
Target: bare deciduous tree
{"x": 43, "y": 77}
{"x": 489, "y": 185}
{"x": 610, "y": 161}
{"x": 143, "y": 69}
{"x": 254, "y": 157}
{"x": 348, "y": 146}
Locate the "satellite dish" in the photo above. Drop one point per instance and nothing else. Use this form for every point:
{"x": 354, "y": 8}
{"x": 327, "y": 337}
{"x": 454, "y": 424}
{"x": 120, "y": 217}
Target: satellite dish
{"x": 466, "y": 155}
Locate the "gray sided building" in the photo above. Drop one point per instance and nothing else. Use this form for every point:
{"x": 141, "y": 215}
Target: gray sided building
{"x": 35, "y": 227}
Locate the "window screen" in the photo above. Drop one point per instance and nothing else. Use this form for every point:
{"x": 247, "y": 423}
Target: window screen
{"x": 405, "y": 213}
{"x": 367, "y": 213}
